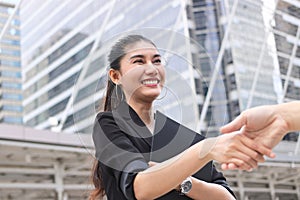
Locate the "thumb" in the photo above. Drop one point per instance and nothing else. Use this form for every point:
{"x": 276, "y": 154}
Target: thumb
{"x": 234, "y": 125}
{"x": 151, "y": 163}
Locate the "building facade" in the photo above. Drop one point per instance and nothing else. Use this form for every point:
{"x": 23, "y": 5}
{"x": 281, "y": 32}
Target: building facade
{"x": 258, "y": 41}
{"x": 246, "y": 49}
{"x": 65, "y": 53}
{"x": 11, "y": 110}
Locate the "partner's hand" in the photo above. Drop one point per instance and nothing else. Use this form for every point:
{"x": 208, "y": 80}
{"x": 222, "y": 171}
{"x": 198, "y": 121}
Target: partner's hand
{"x": 261, "y": 123}
{"x": 238, "y": 149}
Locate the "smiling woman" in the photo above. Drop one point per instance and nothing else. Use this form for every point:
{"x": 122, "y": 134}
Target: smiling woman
{"x": 141, "y": 76}
{"x": 123, "y": 136}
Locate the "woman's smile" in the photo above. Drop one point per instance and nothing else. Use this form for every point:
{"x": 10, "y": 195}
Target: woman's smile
{"x": 151, "y": 82}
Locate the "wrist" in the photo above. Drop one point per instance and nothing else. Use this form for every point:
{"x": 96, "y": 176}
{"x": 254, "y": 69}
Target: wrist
{"x": 206, "y": 149}
{"x": 285, "y": 116}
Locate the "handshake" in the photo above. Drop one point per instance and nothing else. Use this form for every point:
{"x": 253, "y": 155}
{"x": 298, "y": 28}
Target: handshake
{"x": 259, "y": 129}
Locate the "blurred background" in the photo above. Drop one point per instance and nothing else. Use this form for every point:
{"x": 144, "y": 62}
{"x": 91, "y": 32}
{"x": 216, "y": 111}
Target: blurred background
{"x": 223, "y": 56}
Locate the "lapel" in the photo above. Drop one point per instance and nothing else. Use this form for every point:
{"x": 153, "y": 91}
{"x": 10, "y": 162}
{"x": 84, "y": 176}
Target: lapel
{"x": 136, "y": 127}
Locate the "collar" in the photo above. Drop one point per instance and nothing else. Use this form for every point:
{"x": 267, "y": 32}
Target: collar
{"x": 134, "y": 121}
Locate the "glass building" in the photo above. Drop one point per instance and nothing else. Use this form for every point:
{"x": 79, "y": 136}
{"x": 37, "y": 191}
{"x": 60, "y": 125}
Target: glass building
{"x": 246, "y": 70}
{"x": 258, "y": 42}
{"x": 222, "y": 56}
{"x": 65, "y": 47}
{"x": 286, "y": 32}
{"x": 11, "y": 110}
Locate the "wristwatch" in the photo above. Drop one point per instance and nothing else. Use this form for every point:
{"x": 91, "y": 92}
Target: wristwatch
{"x": 186, "y": 185}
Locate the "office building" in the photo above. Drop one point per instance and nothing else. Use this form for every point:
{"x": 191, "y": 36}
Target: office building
{"x": 65, "y": 52}
{"x": 65, "y": 44}
{"x": 259, "y": 45}
{"x": 10, "y": 66}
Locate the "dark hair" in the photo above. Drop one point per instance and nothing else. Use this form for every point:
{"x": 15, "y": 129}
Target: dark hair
{"x": 111, "y": 100}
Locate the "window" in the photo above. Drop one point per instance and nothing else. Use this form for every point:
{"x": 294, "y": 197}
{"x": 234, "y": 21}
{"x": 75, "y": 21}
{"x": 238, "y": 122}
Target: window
{"x": 11, "y": 96}
{"x": 10, "y": 42}
{"x": 11, "y": 63}
{"x": 13, "y": 120}
{"x": 10, "y": 74}
{"x": 10, "y": 85}
{"x": 13, "y": 108}
{"x": 10, "y": 52}
{"x": 78, "y": 57}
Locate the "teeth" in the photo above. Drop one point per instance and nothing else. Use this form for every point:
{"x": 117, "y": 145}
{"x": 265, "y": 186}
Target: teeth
{"x": 150, "y": 82}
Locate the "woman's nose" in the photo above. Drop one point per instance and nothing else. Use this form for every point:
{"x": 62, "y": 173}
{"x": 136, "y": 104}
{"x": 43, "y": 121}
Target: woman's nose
{"x": 151, "y": 69}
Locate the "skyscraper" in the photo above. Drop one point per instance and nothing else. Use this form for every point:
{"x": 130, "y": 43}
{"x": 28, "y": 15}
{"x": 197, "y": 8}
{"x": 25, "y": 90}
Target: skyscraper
{"x": 65, "y": 45}
{"x": 65, "y": 51}
{"x": 286, "y": 32}
{"x": 11, "y": 110}
{"x": 257, "y": 41}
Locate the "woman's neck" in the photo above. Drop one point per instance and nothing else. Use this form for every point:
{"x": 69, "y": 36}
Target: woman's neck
{"x": 145, "y": 112}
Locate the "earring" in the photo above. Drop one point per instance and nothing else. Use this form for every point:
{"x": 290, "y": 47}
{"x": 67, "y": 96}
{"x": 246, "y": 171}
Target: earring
{"x": 163, "y": 95}
{"x": 117, "y": 93}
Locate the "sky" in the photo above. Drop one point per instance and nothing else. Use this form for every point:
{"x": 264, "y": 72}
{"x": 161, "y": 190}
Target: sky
{"x": 10, "y": 1}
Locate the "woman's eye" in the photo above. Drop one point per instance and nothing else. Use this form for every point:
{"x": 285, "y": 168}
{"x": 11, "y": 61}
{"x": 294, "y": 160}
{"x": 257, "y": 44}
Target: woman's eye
{"x": 157, "y": 61}
{"x": 138, "y": 61}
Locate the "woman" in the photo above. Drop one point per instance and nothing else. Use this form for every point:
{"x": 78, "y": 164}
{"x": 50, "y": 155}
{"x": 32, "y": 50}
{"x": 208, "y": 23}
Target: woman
{"x": 123, "y": 134}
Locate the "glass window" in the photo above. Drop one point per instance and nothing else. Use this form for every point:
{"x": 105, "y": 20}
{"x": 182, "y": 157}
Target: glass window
{"x": 198, "y": 86}
{"x": 78, "y": 57}
{"x": 63, "y": 86}
{"x": 11, "y": 85}
{"x": 294, "y": 11}
{"x": 295, "y": 72}
{"x": 14, "y": 108}
{"x": 15, "y": 22}
{"x": 14, "y": 31}
{"x": 285, "y": 26}
{"x": 10, "y": 52}
{"x": 205, "y": 19}
{"x": 11, "y": 96}
{"x": 10, "y": 74}
{"x": 66, "y": 47}
{"x": 10, "y": 41}
{"x": 232, "y": 82}
{"x": 11, "y": 63}
{"x": 283, "y": 45}
{"x": 205, "y": 66}
{"x": 284, "y": 64}
{"x": 95, "y": 66}
{"x": 200, "y": 3}
{"x": 58, "y": 107}
{"x": 12, "y": 120}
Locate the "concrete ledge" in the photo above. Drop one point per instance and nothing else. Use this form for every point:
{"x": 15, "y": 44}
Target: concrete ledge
{"x": 23, "y": 133}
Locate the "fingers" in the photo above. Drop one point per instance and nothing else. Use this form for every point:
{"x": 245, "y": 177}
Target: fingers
{"x": 241, "y": 151}
{"x": 256, "y": 149}
{"x": 234, "y": 125}
{"x": 236, "y": 163}
{"x": 231, "y": 166}
{"x": 244, "y": 153}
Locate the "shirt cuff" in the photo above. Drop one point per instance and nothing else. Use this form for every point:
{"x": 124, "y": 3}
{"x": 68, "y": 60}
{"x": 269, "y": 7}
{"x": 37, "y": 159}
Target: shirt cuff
{"x": 128, "y": 176}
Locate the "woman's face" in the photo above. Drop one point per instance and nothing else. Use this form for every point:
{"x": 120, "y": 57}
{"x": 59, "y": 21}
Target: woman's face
{"x": 142, "y": 72}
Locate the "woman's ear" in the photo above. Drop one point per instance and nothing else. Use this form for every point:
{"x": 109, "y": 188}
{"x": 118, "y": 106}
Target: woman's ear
{"x": 114, "y": 76}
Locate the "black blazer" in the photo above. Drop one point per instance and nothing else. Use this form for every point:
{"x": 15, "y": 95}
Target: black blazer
{"x": 123, "y": 148}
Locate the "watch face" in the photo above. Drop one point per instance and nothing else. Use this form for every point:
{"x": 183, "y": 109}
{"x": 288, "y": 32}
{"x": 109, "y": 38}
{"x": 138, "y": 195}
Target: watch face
{"x": 186, "y": 186}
